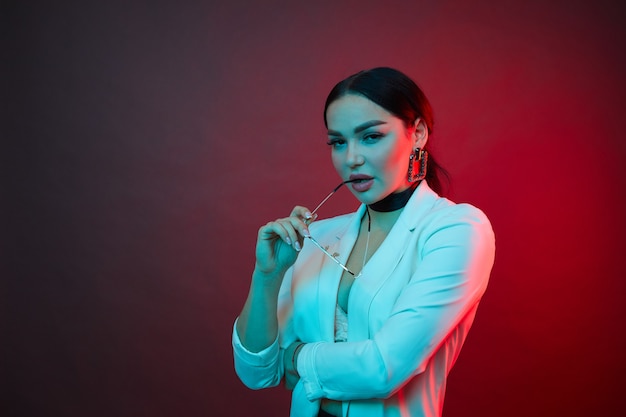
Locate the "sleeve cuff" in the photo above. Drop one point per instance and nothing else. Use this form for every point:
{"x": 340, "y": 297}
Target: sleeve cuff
{"x": 254, "y": 358}
{"x": 308, "y": 373}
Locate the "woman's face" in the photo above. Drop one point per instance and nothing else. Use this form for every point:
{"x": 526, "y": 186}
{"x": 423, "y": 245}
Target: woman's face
{"x": 372, "y": 145}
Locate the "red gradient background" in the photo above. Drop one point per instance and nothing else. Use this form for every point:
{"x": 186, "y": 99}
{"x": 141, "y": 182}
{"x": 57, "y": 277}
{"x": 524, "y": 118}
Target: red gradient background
{"x": 144, "y": 146}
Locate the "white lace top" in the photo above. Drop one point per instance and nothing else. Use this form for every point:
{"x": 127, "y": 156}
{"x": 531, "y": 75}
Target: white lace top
{"x": 341, "y": 325}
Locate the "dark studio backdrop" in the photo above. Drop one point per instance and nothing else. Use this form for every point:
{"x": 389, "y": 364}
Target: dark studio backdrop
{"x": 144, "y": 144}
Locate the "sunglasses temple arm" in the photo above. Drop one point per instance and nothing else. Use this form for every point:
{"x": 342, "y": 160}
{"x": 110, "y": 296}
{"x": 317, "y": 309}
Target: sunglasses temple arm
{"x": 330, "y": 195}
{"x": 323, "y": 201}
{"x": 331, "y": 256}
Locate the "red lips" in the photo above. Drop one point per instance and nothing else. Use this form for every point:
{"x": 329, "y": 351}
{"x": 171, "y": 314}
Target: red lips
{"x": 361, "y": 182}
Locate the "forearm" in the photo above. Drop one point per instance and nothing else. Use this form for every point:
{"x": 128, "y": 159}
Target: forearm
{"x": 257, "y": 325}
{"x": 372, "y": 368}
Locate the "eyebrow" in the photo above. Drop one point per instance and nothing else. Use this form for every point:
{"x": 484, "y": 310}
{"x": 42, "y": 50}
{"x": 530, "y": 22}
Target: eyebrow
{"x": 360, "y": 127}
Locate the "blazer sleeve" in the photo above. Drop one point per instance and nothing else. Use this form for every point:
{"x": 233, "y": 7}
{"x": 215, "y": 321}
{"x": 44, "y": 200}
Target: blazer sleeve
{"x": 265, "y": 369}
{"x": 455, "y": 253}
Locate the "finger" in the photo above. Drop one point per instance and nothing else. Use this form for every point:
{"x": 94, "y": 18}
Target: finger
{"x": 301, "y": 212}
{"x": 292, "y": 232}
{"x": 311, "y": 220}
{"x": 289, "y": 233}
{"x": 300, "y": 226}
{"x": 275, "y": 229}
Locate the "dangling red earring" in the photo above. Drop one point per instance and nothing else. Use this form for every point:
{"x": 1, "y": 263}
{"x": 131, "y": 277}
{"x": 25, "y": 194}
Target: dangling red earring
{"x": 417, "y": 165}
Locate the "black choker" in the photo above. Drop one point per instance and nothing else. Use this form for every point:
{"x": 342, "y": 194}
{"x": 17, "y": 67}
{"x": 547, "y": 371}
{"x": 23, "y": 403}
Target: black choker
{"x": 394, "y": 201}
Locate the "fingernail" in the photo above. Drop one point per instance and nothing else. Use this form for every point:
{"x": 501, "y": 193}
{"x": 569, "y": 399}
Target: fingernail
{"x": 288, "y": 240}
{"x": 308, "y": 215}
{"x": 306, "y": 233}
{"x": 297, "y": 246}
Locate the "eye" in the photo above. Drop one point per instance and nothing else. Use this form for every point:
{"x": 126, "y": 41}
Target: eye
{"x": 336, "y": 142}
{"x": 372, "y": 137}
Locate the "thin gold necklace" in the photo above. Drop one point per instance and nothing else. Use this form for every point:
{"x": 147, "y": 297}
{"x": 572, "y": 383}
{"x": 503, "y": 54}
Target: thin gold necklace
{"x": 367, "y": 241}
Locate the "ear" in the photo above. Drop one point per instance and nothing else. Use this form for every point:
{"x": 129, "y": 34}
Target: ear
{"x": 420, "y": 133}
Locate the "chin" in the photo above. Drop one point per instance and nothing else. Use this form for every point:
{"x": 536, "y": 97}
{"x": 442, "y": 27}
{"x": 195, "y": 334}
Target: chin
{"x": 367, "y": 198}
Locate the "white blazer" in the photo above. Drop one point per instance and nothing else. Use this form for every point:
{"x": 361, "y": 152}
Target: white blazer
{"x": 408, "y": 313}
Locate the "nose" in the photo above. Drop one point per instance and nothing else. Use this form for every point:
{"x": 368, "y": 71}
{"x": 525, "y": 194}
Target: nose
{"x": 353, "y": 155}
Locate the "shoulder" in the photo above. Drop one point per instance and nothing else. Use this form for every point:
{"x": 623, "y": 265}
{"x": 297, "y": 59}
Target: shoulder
{"x": 462, "y": 226}
{"x": 431, "y": 213}
{"x": 446, "y": 211}
{"x": 426, "y": 206}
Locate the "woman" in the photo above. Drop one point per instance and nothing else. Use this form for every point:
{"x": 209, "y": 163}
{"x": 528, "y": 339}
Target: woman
{"x": 365, "y": 314}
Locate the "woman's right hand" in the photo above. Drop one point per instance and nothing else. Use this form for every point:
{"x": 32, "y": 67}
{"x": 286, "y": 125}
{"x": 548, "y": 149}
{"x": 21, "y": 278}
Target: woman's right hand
{"x": 279, "y": 242}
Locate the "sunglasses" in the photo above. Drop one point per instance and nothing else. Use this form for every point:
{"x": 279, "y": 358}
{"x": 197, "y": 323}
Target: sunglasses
{"x": 316, "y": 243}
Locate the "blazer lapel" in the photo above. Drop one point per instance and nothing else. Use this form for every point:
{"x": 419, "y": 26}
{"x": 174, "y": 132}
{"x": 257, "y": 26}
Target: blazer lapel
{"x": 383, "y": 263}
{"x": 339, "y": 244}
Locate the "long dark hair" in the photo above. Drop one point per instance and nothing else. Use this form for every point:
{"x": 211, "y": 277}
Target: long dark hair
{"x": 400, "y": 96}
